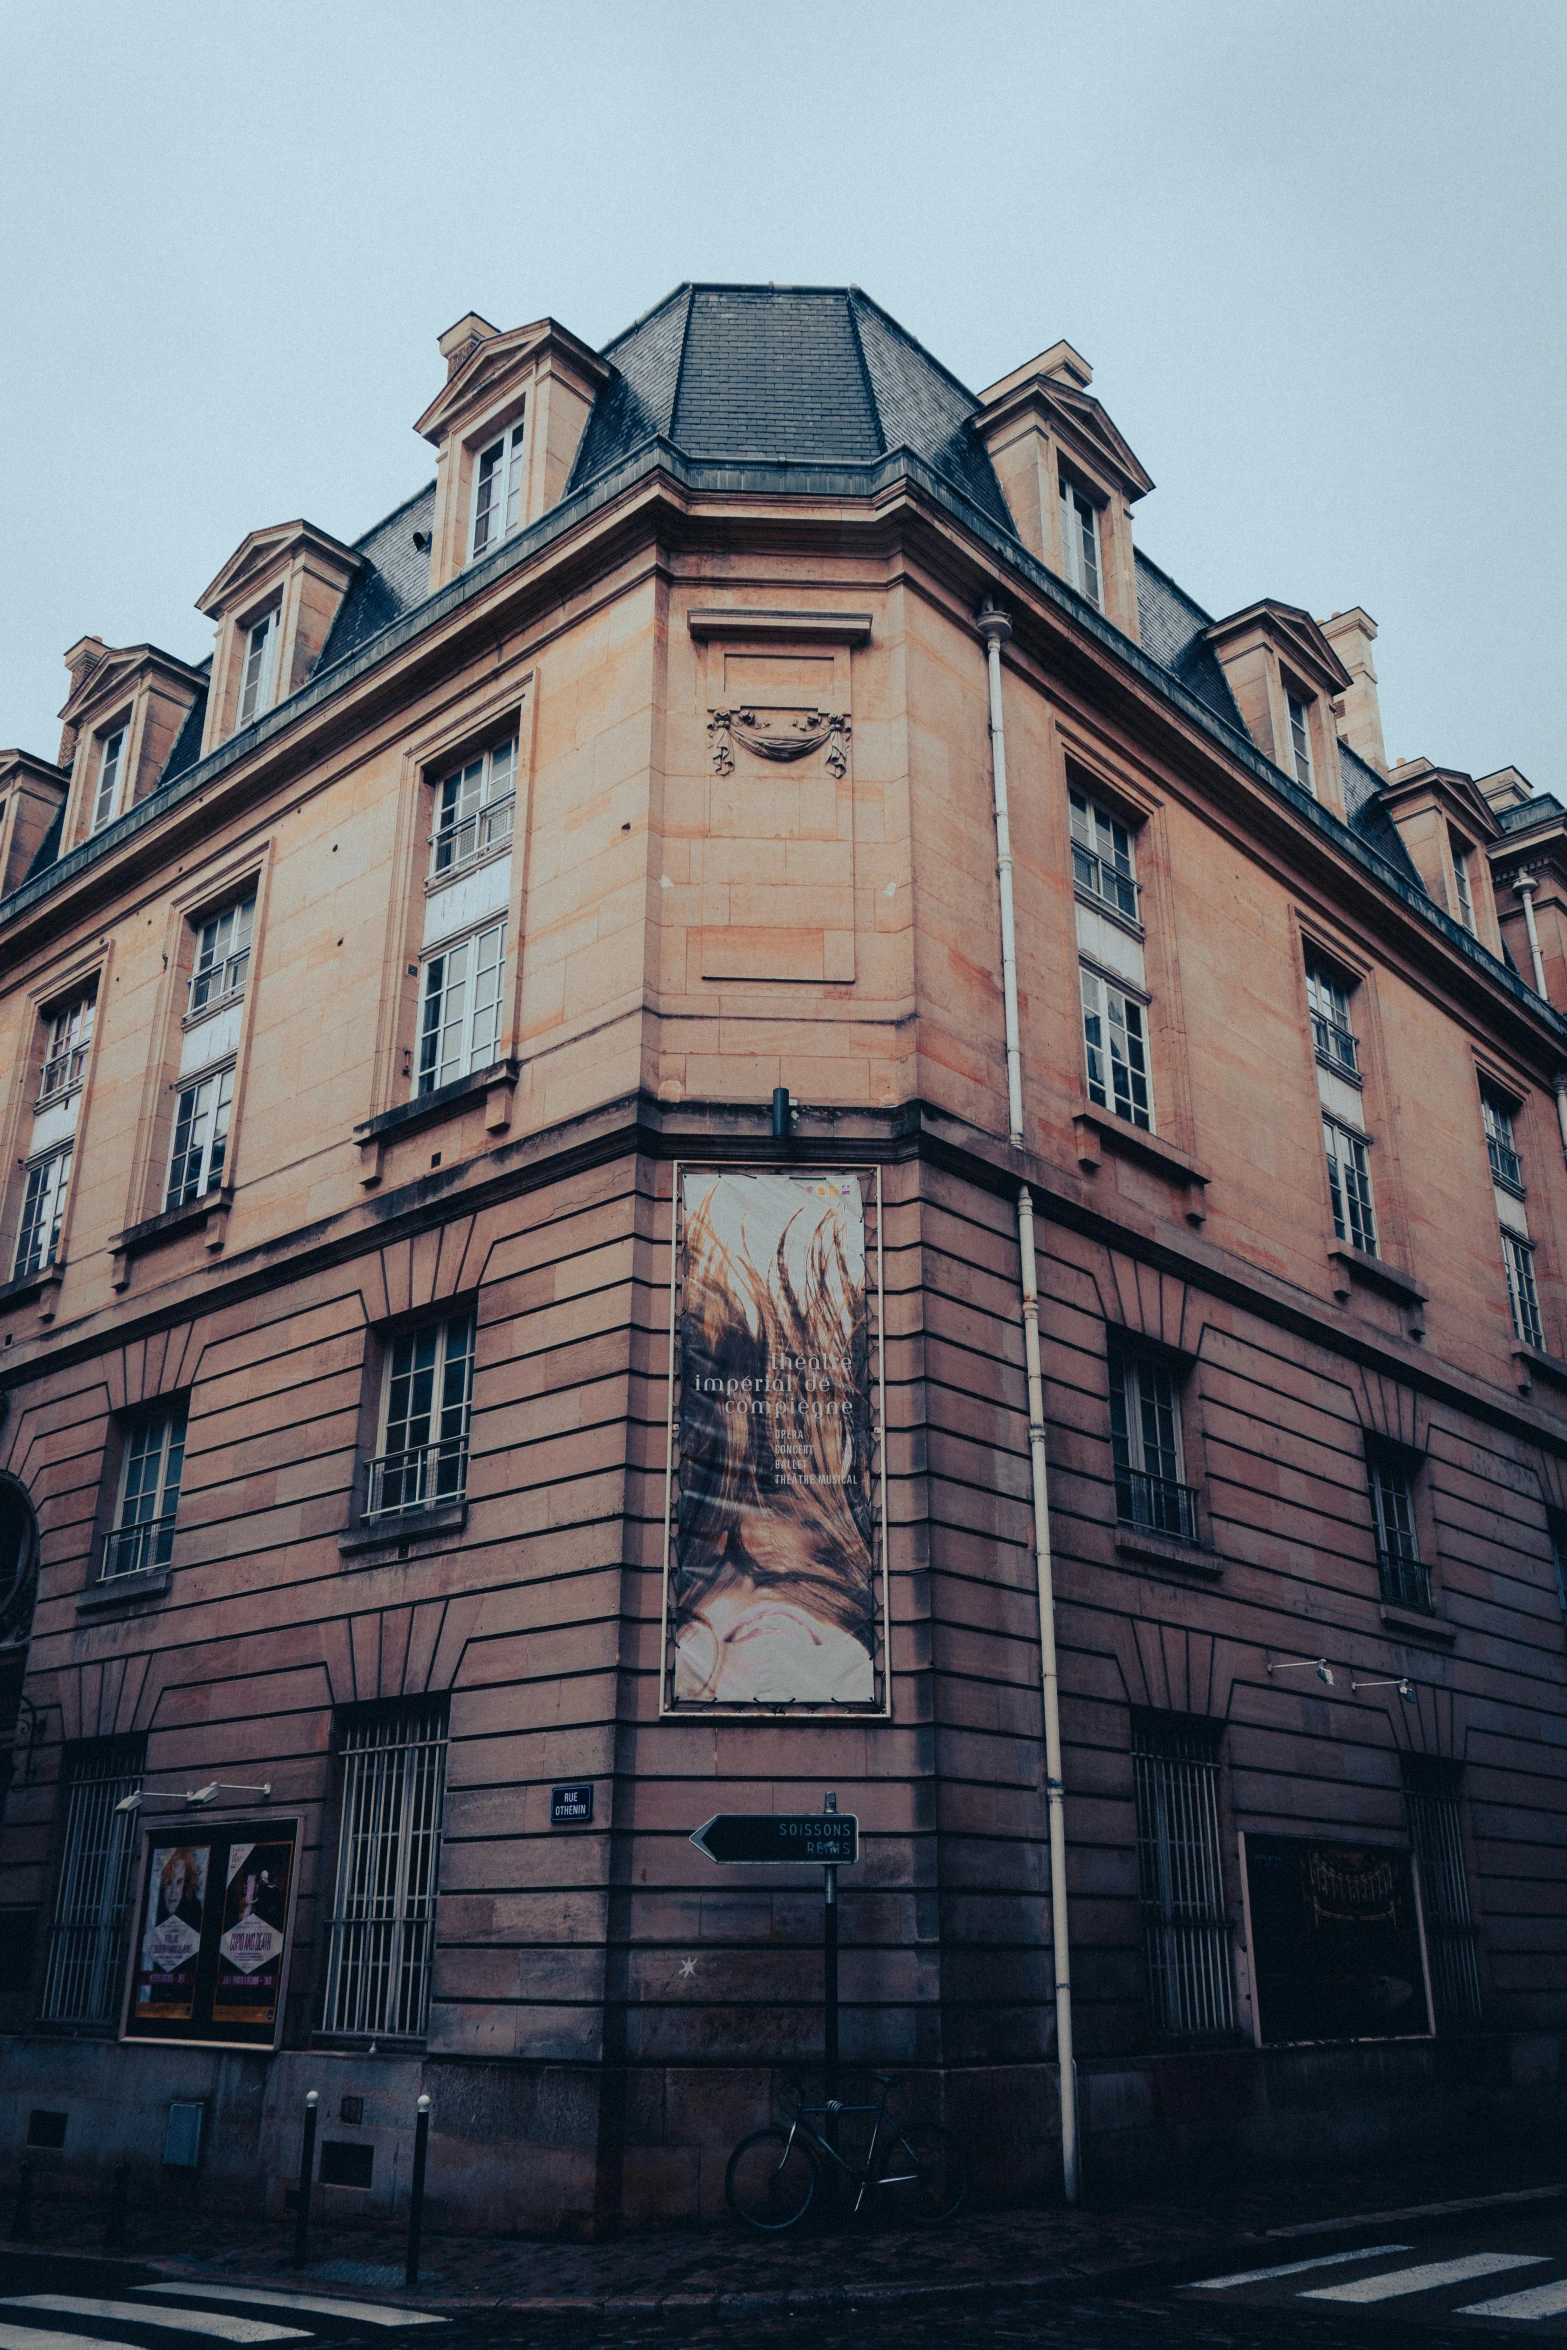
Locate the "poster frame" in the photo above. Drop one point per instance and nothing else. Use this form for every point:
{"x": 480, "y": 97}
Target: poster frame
{"x": 868, "y": 1172}
{"x": 212, "y": 1831}
{"x": 1365, "y": 2039}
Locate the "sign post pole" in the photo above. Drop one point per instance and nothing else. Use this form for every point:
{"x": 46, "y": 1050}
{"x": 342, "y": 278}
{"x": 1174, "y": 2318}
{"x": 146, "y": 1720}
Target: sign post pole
{"x": 830, "y": 1978}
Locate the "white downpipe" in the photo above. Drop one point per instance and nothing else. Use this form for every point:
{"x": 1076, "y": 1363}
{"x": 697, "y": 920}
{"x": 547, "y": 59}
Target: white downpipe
{"x": 1560, "y": 1083}
{"x": 996, "y": 628}
{"x": 1526, "y": 885}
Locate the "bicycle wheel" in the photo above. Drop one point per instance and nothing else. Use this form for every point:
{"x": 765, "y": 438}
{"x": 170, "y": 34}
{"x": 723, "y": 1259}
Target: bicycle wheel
{"x": 924, "y": 2172}
{"x": 770, "y": 2180}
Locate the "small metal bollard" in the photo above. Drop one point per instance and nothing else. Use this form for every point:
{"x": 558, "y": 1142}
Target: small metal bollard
{"x": 307, "y": 2166}
{"x": 416, "y": 2199}
{"x": 119, "y": 2200}
{"x": 22, "y": 2209}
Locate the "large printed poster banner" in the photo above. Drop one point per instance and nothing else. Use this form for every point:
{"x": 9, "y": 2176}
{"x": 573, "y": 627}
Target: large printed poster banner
{"x": 213, "y": 1938}
{"x": 774, "y": 1576}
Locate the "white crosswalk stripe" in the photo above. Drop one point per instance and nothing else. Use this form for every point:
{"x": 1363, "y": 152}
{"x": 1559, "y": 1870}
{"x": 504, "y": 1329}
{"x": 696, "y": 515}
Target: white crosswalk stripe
{"x": 370, "y": 2313}
{"x": 1292, "y": 2268}
{"x": 1535, "y": 2301}
{"x": 1426, "y": 2277}
{"x": 185, "y": 2321}
{"x": 37, "y": 2338}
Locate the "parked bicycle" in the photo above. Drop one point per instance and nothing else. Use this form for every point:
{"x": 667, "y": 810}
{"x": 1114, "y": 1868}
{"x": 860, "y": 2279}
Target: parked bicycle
{"x": 774, "y": 2175}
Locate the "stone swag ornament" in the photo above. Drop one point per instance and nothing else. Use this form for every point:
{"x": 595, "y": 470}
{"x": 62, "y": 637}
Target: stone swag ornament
{"x": 778, "y": 734}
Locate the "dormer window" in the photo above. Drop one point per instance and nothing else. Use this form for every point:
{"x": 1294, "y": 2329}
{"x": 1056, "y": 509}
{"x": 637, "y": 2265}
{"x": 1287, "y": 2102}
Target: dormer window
{"x": 105, "y": 806}
{"x": 1300, "y": 742}
{"x": 1080, "y": 541}
{"x": 256, "y": 679}
{"x": 497, "y": 490}
{"x": 1462, "y": 889}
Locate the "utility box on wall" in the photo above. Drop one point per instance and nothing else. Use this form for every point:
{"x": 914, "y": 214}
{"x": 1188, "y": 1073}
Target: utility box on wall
{"x": 182, "y": 2137}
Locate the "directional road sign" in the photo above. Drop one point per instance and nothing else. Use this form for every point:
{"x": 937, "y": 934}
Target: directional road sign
{"x": 831, "y": 1837}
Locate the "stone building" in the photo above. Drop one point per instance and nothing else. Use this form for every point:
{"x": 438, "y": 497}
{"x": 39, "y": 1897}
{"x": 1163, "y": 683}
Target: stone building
{"x": 364, "y": 990}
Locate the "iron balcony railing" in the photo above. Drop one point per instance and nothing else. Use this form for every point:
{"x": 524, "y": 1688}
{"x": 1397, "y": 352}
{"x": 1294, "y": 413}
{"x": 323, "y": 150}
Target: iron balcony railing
{"x": 419, "y": 1478}
{"x": 453, "y": 845}
{"x": 61, "y": 1074}
{"x": 1506, "y": 1165}
{"x": 1405, "y": 1580}
{"x": 219, "y": 981}
{"x": 1336, "y": 1045}
{"x": 1156, "y": 1504}
{"x": 135, "y": 1550}
{"x": 1102, "y": 880}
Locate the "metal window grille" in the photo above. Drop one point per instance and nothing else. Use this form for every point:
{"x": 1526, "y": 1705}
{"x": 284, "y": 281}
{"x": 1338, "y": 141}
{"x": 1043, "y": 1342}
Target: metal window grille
{"x": 1500, "y": 1147}
{"x": 1436, "y": 1831}
{"x": 474, "y": 810}
{"x": 1145, "y": 1440}
{"x": 143, "y": 1537}
{"x": 1102, "y": 855}
{"x": 1186, "y": 1932}
{"x": 222, "y": 956}
{"x": 383, "y": 1912}
{"x": 43, "y": 1214}
{"x": 460, "y": 1015}
{"x": 1405, "y": 1582}
{"x": 201, "y": 1136}
{"x": 82, "y": 1977}
{"x": 429, "y": 1394}
{"x": 1349, "y": 1183}
{"x": 65, "y": 1053}
{"x": 1333, "y": 1039}
{"x": 1116, "y": 1048}
{"x": 1522, "y": 1295}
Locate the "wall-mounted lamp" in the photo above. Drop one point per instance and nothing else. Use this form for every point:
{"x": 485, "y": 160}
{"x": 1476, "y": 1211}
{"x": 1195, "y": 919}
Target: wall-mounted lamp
{"x": 1305, "y": 1664}
{"x": 1406, "y": 1689}
{"x": 193, "y": 1795}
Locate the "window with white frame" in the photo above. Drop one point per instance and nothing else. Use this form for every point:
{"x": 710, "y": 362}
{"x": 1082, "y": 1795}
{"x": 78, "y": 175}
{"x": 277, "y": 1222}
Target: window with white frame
{"x": 1463, "y": 890}
{"x": 425, "y": 1407}
{"x": 87, "y": 1928}
{"x": 1333, "y": 1039}
{"x": 460, "y": 1008}
{"x": 1300, "y": 741}
{"x": 1522, "y": 1296}
{"x": 201, "y": 1136}
{"x": 1501, "y": 1147}
{"x": 1431, "y": 1797}
{"x": 142, "y": 1538}
{"x": 382, "y": 1924}
{"x": 1145, "y": 1441}
{"x": 1186, "y": 1933}
{"x": 106, "y": 796}
{"x": 1115, "y": 1043}
{"x": 1402, "y": 1572}
{"x": 1080, "y": 540}
{"x": 222, "y": 955}
{"x": 65, "y": 1049}
{"x": 473, "y": 809}
{"x": 497, "y": 490}
{"x": 1349, "y": 1186}
{"x": 259, "y": 673}
{"x": 1103, "y": 856}
{"x": 43, "y": 1213}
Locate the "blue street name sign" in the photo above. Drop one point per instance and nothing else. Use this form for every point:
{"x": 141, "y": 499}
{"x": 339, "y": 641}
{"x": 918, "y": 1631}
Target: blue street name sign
{"x": 570, "y": 1805}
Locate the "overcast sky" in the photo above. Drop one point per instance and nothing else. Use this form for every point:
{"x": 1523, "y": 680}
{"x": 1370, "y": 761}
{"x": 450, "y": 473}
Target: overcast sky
{"x": 1315, "y": 256}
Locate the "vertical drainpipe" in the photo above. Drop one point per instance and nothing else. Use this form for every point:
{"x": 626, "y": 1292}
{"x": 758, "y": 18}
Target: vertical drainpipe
{"x": 1526, "y": 885}
{"x": 996, "y": 628}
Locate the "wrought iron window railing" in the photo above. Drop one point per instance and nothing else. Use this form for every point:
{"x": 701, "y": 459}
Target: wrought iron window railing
{"x": 1506, "y": 1165}
{"x": 1156, "y": 1504}
{"x": 135, "y": 1550}
{"x": 1406, "y": 1582}
{"x": 1336, "y": 1045}
{"x": 420, "y": 1478}
{"x": 454, "y": 845}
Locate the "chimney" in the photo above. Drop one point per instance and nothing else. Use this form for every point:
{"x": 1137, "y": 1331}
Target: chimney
{"x": 81, "y": 660}
{"x": 1357, "y": 711}
{"x": 462, "y": 339}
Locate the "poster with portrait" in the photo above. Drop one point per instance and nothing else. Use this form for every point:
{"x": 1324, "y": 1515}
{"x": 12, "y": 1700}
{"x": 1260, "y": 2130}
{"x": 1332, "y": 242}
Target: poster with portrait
{"x": 775, "y": 1525}
{"x": 172, "y": 1919}
{"x": 215, "y": 1920}
{"x": 1337, "y": 1948}
{"x": 254, "y": 1934}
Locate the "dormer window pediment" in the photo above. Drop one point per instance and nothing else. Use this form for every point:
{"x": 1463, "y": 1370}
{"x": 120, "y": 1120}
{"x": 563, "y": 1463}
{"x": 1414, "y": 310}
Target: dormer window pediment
{"x": 1447, "y": 826}
{"x": 274, "y": 602}
{"x": 1286, "y": 678}
{"x": 121, "y": 721}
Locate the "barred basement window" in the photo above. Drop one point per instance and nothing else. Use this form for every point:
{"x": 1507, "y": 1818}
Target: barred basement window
{"x": 43, "y": 1213}
{"x": 1522, "y": 1296}
{"x": 383, "y": 1910}
{"x": 460, "y": 1009}
{"x": 1145, "y": 1439}
{"x": 1436, "y": 1831}
{"x": 1349, "y": 1185}
{"x": 1186, "y": 1932}
{"x": 1115, "y": 1045}
{"x": 1405, "y": 1582}
{"x": 82, "y": 1977}
{"x": 473, "y": 809}
{"x": 143, "y": 1536}
{"x": 423, "y": 1459}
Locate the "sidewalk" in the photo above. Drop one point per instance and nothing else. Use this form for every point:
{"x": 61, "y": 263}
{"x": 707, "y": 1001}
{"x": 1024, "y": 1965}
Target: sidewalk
{"x": 716, "y": 2269}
